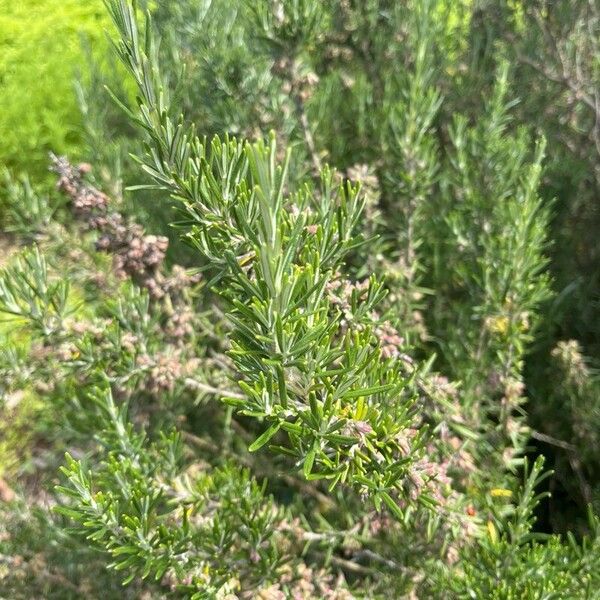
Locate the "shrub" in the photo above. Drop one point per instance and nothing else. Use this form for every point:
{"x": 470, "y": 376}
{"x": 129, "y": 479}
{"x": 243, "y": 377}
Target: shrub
{"x": 334, "y": 401}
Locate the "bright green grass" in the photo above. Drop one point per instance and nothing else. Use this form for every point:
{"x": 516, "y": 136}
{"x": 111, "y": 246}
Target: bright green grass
{"x": 40, "y": 54}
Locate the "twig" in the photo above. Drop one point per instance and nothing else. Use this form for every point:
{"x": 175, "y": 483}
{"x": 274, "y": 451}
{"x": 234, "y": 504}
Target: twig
{"x": 209, "y": 389}
{"x": 305, "y": 488}
{"x": 348, "y": 565}
{"x": 584, "y": 486}
{"x": 564, "y": 79}
{"x": 292, "y": 481}
{"x": 548, "y": 439}
{"x": 203, "y": 443}
{"x": 574, "y": 461}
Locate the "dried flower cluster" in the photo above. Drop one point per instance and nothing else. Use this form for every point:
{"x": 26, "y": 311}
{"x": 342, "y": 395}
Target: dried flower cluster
{"x": 135, "y": 255}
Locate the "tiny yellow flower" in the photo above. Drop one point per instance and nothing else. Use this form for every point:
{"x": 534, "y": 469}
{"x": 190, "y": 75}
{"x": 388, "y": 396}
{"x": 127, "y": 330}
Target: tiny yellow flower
{"x": 492, "y": 531}
{"x": 498, "y": 324}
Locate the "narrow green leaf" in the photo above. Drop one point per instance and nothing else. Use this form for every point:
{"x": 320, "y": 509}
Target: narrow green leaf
{"x": 376, "y": 389}
{"x": 394, "y": 508}
{"x": 309, "y": 461}
{"x": 265, "y": 437}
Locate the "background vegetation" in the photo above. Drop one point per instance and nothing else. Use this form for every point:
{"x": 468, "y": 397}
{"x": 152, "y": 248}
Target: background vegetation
{"x": 346, "y": 348}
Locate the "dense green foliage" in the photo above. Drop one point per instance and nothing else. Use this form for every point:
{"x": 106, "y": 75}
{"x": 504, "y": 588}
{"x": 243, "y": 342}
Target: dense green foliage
{"x": 374, "y": 376}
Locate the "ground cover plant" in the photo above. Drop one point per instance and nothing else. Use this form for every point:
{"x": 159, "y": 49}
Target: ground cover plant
{"x": 317, "y": 315}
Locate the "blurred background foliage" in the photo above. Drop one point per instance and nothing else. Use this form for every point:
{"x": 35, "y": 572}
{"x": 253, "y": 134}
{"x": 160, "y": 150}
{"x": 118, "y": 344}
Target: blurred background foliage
{"x": 474, "y": 127}
{"x": 44, "y": 47}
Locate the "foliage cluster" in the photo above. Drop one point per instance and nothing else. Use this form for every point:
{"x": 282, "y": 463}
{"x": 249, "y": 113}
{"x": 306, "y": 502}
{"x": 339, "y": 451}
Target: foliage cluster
{"x": 334, "y": 376}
